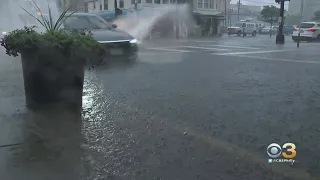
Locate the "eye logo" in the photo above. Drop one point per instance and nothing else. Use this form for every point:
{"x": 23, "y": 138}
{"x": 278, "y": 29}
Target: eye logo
{"x": 274, "y": 150}
{"x": 288, "y": 150}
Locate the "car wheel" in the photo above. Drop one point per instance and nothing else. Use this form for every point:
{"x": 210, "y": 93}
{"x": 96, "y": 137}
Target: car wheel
{"x": 254, "y": 33}
{"x": 239, "y": 33}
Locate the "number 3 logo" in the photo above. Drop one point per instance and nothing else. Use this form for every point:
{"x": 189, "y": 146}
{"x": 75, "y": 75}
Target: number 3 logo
{"x": 290, "y": 148}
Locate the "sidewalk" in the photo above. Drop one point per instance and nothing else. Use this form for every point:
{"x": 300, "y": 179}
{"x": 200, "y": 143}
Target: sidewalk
{"x": 29, "y": 160}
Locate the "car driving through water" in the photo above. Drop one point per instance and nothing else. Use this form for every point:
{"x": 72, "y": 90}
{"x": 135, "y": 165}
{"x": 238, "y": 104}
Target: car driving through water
{"x": 119, "y": 45}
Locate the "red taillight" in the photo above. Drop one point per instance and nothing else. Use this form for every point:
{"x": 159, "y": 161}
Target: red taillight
{"x": 312, "y": 30}
{"x": 295, "y": 29}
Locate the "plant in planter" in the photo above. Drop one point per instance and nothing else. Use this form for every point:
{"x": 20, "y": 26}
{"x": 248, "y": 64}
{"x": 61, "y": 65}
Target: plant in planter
{"x": 52, "y": 61}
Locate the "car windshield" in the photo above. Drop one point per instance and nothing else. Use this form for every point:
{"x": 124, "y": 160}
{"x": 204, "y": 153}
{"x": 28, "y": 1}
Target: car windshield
{"x": 307, "y": 25}
{"x": 86, "y": 22}
{"x": 239, "y": 24}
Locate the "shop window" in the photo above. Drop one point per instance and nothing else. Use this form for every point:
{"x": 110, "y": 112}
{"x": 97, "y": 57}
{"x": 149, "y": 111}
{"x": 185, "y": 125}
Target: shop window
{"x": 200, "y": 3}
{"x": 121, "y": 4}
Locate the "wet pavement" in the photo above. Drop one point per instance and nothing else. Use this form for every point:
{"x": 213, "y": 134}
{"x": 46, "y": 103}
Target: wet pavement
{"x": 188, "y": 109}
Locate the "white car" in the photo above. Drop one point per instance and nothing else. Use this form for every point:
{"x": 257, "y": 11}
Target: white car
{"x": 309, "y": 31}
{"x": 243, "y": 28}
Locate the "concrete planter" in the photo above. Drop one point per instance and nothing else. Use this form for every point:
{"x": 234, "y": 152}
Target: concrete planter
{"x": 52, "y": 79}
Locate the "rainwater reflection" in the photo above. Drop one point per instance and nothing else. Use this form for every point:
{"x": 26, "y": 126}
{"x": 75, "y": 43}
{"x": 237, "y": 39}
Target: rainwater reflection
{"x": 109, "y": 150}
{"x": 65, "y": 146}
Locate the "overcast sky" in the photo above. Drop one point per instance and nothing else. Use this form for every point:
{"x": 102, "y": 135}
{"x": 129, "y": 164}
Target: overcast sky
{"x": 258, "y": 2}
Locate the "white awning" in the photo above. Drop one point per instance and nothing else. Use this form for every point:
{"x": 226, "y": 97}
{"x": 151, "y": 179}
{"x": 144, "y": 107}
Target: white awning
{"x": 208, "y": 12}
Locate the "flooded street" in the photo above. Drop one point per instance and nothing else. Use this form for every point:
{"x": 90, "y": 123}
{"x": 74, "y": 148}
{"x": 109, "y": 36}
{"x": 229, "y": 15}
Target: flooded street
{"x": 202, "y": 109}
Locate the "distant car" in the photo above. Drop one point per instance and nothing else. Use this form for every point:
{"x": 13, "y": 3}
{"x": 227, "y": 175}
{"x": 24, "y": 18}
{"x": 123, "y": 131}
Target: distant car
{"x": 275, "y": 29}
{"x": 309, "y": 31}
{"x": 288, "y": 29}
{"x": 265, "y": 30}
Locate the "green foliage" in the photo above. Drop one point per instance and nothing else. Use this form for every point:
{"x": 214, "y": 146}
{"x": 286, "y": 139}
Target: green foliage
{"x": 79, "y": 43}
{"x": 68, "y": 42}
{"x": 47, "y": 22}
{"x": 270, "y": 14}
{"x": 316, "y": 15}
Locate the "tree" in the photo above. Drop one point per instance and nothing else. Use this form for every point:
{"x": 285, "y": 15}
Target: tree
{"x": 270, "y": 14}
{"x": 316, "y": 15}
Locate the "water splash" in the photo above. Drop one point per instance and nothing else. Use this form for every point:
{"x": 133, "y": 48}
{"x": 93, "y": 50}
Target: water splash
{"x": 14, "y": 17}
{"x": 141, "y": 24}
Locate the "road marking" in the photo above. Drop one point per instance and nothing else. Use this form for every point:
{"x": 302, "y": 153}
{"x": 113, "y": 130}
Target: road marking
{"x": 161, "y": 53}
{"x": 236, "y": 47}
{"x": 172, "y": 50}
{"x": 204, "y": 48}
{"x": 253, "y": 52}
{"x": 205, "y": 41}
{"x": 278, "y": 59}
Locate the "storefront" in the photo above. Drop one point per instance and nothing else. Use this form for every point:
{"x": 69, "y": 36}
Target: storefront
{"x": 208, "y": 22}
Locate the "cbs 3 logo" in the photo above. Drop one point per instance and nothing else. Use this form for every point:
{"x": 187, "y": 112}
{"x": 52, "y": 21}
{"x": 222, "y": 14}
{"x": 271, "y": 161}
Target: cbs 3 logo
{"x": 274, "y": 150}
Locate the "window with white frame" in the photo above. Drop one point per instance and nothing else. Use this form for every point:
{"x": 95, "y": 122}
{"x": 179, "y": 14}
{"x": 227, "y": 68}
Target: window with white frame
{"x": 156, "y": 1}
{"x": 211, "y": 4}
{"x": 105, "y": 5}
{"x": 149, "y": 1}
{"x": 200, "y": 3}
{"x": 121, "y": 4}
{"x": 217, "y": 5}
{"x": 206, "y": 4}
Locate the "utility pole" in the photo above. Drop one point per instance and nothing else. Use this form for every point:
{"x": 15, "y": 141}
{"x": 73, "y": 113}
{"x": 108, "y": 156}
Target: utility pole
{"x": 301, "y": 17}
{"x": 177, "y": 21}
{"x": 225, "y": 13}
{"x": 280, "y": 36}
{"x": 239, "y": 10}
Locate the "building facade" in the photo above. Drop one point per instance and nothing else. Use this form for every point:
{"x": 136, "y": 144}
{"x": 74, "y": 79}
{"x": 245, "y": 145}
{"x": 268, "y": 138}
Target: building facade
{"x": 309, "y": 8}
{"x": 207, "y": 11}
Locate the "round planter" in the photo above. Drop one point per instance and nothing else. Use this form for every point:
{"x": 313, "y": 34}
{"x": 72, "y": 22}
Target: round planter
{"x": 52, "y": 79}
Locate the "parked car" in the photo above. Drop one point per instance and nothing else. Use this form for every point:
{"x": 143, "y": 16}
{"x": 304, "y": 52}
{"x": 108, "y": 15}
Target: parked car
{"x": 266, "y": 30}
{"x": 119, "y": 44}
{"x": 275, "y": 29}
{"x": 288, "y": 29}
{"x": 309, "y": 31}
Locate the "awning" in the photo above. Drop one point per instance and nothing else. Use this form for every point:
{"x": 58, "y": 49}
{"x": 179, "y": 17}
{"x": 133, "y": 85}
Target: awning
{"x": 209, "y": 13}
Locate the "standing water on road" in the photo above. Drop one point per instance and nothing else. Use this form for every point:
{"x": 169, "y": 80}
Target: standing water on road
{"x": 164, "y": 19}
